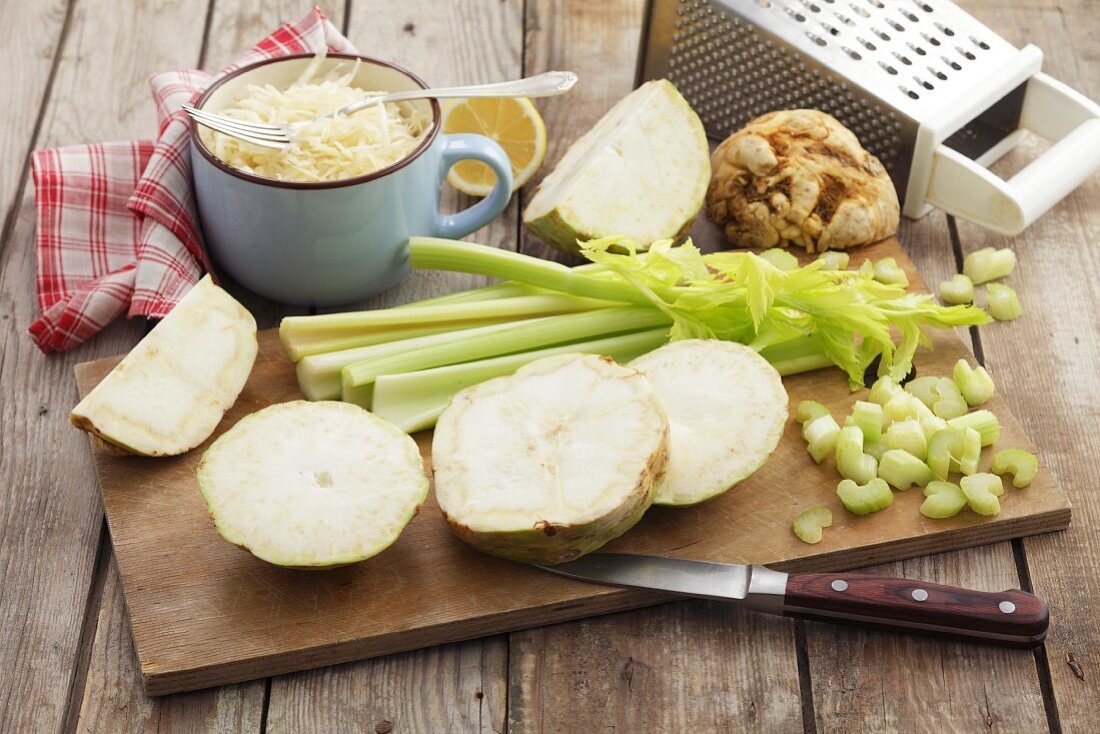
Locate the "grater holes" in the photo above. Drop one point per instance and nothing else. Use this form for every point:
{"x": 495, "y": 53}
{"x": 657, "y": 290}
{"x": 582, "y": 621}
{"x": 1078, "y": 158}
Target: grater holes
{"x": 859, "y": 10}
{"x": 881, "y": 34}
{"x": 816, "y": 38}
{"x": 811, "y": 6}
{"x": 909, "y": 93}
{"x": 924, "y": 6}
{"x": 903, "y": 59}
{"x": 909, "y": 16}
{"x": 923, "y": 82}
{"x": 969, "y": 55}
{"x": 945, "y": 30}
{"x": 831, "y": 30}
{"x": 867, "y": 44}
{"x": 937, "y": 73}
{"x": 931, "y": 39}
{"x": 852, "y": 52}
{"x": 953, "y": 64}
{"x": 916, "y": 49}
{"x": 844, "y": 19}
{"x": 895, "y": 25}
{"x": 979, "y": 43}
{"x": 796, "y": 15}
{"x": 889, "y": 69}
{"x": 877, "y": 3}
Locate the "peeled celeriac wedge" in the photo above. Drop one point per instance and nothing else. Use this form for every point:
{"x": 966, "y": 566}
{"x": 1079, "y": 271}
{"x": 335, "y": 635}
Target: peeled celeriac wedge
{"x": 726, "y": 406}
{"x": 169, "y": 393}
{"x": 312, "y": 485}
{"x": 550, "y": 463}
{"x": 641, "y": 172}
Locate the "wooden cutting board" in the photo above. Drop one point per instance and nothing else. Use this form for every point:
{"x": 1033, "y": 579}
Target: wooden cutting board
{"x": 205, "y": 613}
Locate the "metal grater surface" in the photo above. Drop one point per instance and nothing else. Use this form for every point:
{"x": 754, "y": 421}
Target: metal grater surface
{"x": 880, "y": 66}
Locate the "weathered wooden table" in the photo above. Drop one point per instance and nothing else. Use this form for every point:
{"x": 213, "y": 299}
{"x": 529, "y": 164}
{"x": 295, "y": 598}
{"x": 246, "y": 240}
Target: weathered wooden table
{"x": 76, "y": 72}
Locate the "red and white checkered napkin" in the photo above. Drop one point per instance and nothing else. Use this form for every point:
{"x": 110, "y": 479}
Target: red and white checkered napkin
{"x": 116, "y": 224}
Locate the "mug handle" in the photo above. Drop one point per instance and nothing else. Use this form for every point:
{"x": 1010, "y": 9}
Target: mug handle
{"x": 467, "y": 146}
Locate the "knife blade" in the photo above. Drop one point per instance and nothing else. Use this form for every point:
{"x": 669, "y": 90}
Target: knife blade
{"x": 1011, "y": 618}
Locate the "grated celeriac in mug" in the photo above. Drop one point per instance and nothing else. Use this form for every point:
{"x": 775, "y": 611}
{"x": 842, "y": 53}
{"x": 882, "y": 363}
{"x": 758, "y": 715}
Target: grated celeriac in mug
{"x": 329, "y": 149}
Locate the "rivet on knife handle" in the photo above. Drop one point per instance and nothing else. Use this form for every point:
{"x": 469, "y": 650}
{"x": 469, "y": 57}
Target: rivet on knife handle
{"x": 1014, "y": 618}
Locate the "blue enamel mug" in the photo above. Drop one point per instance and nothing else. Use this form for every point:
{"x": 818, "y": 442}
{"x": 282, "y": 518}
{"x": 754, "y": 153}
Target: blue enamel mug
{"x": 334, "y": 242}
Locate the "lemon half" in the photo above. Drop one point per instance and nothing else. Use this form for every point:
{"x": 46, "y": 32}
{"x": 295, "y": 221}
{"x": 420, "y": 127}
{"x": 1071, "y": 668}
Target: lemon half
{"x": 513, "y": 123}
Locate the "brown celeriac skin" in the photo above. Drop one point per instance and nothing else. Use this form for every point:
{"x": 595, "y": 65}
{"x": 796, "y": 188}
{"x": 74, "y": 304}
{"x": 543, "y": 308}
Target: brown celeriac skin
{"x": 799, "y": 177}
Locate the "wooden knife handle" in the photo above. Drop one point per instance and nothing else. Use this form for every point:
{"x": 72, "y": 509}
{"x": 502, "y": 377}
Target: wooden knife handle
{"x": 1014, "y": 618}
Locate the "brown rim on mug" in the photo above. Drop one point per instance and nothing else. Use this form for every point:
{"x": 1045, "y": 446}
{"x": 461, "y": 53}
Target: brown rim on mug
{"x": 424, "y": 144}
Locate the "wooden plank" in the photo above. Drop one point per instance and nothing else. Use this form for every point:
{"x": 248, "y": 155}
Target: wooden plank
{"x": 113, "y": 699}
{"x": 877, "y": 682}
{"x": 32, "y": 32}
{"x": 1045, "y": 361}
{"x": 455, "y": 687}
{"x": 52, "y": 520}
{"x": 222, "y": 615}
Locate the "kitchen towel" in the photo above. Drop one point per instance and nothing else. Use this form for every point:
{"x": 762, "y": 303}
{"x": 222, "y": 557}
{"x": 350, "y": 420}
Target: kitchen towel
{"x": 116, "y": 227}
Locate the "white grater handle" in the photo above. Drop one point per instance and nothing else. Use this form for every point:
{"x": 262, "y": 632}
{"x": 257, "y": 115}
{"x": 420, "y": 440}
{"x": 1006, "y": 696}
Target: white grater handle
{"x": 1052, "y": 110}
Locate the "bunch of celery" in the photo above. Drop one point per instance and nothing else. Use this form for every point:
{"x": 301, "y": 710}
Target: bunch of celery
{"x": 405, "y": 363}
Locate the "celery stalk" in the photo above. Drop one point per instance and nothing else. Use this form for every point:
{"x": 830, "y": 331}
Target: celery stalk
{"x": 868, "y": 417}
{"x": 983, "y": 421}
{"x": 1004, "y": 305}
{"x": 834, "y": 259}
{"x": 298, "y": 350}
{"x": 414, "y": 400}
{"x": 944, "y": 500}
{"x": 982, "y": 491}
{"x": 485, "y": 293}
{"x": 302, "y": 335}
{"x": 958, "y": 290}
{"x": 988, "y": 264}
{"x": 887, "y": 271}
{"x": 908, "y": 436}
{"x": 1022, "y": 465}
{"x": 809, "y": 410}
{"x": 793, "y": 356}
{"x": 851, "y": 461}
{"x": 780, "y": 258}
{"x": 821, "y": 435}
{"x": 901, "y": 469}
{"x": 974, "y": 383}
{"x": 872, "y": 496}
{"x": 357, "y": 378}
{"x": 808, "y": 524}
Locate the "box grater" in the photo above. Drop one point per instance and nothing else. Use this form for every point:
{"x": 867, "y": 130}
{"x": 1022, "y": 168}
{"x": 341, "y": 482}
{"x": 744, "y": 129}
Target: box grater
{"x": 927, "y": 88}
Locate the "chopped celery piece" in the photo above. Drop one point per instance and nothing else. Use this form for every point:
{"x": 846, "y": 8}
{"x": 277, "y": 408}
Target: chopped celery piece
{"x": 867, "y": 417}
{"x": 901, "y": 469}
{"x": 414, "y": 400}
{"x": 851, "y": 462}
{"x": 821, "y": 435}
{"x": 982, "y": 491}
{"x": 974, "y": 383}
{"x": 884, "y": 388}
{"x": 1022, "y": 465}
{"x": 887, "y": 271}
{"x": 872, "y": 496}
{"x": 908, "y": 436}
{"x": 970, "y": 452}
{"x": 924, "y": 389}
{"x": 982, "y": 421}
{"x": 810, "y": 409}
{"x": 958, "y": 290}
{"x": 931, "y": 425}
{"x": 1004, "y": 305}
{"x": 780, "y": 258}
{"x": 899, "y": 407}
{"x": 808, "y": 524}
{"x": 875, "y": 449}
{"x": 357, "y": 378}
{"x": 988, "y": 264}
{"x": 944, "y": 500}
{"x": 949, "y": 400}
{"x": 834, "y": 259}
{"x": 944, "y": 449}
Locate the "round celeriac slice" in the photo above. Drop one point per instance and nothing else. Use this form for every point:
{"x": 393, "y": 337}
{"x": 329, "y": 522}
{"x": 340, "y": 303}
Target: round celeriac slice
{"x": 726, "y": 407}
{"x": 552, "y": 462}
{"x": 312, "y": 485}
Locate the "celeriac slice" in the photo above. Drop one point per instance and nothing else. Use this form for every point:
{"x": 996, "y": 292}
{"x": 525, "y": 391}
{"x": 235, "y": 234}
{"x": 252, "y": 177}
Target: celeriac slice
{"x": 169, "y": 393}
{"x": 726, "y": 406}
{"x": 312, "y": 484}
{"x": 551, "y": 462}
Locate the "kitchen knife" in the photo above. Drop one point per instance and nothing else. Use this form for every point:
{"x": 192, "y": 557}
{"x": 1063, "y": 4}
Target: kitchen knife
{"x": 1013, "y": 618}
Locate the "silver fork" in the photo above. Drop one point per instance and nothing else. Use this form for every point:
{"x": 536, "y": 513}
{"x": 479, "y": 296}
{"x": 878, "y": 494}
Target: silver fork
{"x": 280, "y": 136}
